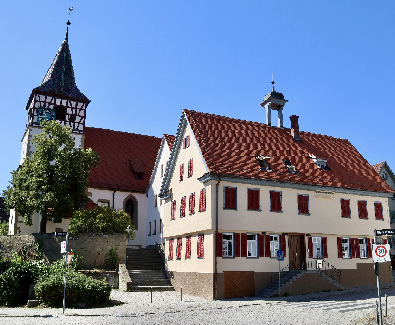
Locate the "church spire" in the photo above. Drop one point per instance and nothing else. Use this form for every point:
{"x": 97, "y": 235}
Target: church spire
{"x": 59, "y": 79}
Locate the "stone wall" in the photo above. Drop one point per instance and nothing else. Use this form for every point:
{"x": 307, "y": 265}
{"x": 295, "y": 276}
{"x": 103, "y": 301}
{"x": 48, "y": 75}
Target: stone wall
{"x": 92, "y": 247}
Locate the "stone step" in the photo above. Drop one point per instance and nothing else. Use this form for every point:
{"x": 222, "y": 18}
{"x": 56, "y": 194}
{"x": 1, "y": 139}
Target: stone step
{"x": 154, "y": 288}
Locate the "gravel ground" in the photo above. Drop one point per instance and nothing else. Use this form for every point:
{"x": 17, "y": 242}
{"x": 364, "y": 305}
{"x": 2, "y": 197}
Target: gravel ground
{"x": 352, "y": 306}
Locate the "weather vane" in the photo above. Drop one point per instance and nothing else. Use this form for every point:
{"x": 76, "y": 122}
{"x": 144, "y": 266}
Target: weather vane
{"x": 68, "y": 24}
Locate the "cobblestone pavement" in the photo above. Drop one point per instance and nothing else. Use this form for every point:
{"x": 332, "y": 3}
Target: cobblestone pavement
{"x": 352, "y": 306}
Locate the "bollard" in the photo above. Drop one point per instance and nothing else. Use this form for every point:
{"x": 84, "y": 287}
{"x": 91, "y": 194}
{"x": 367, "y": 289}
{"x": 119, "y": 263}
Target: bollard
{"x": 385, "y": 305}
{"x": 181, "y": 293}
{"x": 151, "y": 295}
{"x": 377, "y": 312}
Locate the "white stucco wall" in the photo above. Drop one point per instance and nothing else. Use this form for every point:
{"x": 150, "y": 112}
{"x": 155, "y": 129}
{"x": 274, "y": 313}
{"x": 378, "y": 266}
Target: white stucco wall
{"x": 118, "y": 203}
{"x": 156, "y": 213}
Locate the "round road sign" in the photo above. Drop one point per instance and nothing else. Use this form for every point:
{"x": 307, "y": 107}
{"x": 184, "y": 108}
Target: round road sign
{"x": 381, "y": 251}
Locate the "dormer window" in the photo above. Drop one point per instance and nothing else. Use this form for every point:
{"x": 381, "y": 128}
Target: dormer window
{"x": 291, "y": 168}
{"x": 262, "y": 161}
{"x": 320, "y": 162}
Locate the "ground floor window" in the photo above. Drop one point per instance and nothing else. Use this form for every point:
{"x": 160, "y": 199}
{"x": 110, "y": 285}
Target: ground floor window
{"x": 227, "y": 245}
{"x": 363, "y": 249}
{"x": 252, "y": 245}
{"x": 346, "y": 247}
{"x": 317, "y": 247}
{"x": 274, "y": 245}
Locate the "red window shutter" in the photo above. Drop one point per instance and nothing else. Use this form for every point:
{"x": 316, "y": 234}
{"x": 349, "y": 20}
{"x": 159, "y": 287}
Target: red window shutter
{"x": 378, "y": 207}
{"x": 173, "y": 210}
{"x": 343, "y": 207}
{"x": 261, "y": 239}
{"x": 200, "y": 246}
{"x": 300, "y": 203}
{"x": 243, "y": 245}
{"x": 233, "y": 198}
{"x": 339, "y": 248}
{"x": 227, "y": 198}
{"x": 267, "y": 245}
{"x": 362, "y": 210}
{"x": 219, "y": 244}
{"x": 325, "y": 247}
{"x": 237, "y": 245}
{"x": 306, "y": 204}
{"x": 385, "y": 241}
{"x": 182, "y": 208}
{"x": 369, "y": 248}
{"x": 352, "y": 244}
{"x": 310, "y": 246}
{"x": 191, "y": 163}
{"x": 357, "y": 248}
{"x": 348, "y": 210}
{"x": 184, "y": 143}
{"x": 188, "y": 247}
{"x": 275, "y": 201}
{"x": 256, "y": 201}
{"x": 283, "y": 244}
{"x": 204, "y": 199}
{"x": 250, "y": 199}
{"x": 188, "y": 140}
{"x": 181, "y": 172}
{"x": 170, "y": 249}
{"x": 179, "y": 247}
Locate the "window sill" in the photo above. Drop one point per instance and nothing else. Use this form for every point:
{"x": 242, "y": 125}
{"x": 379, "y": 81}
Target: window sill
{"x": 228, "y": 257}
{"x": 304, "y": 214}
{"x": 363, "y": 218}
{"x": 235, "y": 209}
{"x": 276, "y": 211}
{"x": 380, "y": 219}
{"x": 257, "y": 210}
{"x": 252, "y": 257}
{"x": 346, "y": 217}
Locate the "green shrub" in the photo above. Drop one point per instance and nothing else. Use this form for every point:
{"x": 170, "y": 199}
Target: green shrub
{"x": 100, "y": 220}
{"x": 79, "y": 289}
{"x": 3, "y": 228}
{"x": 111, "y": 259}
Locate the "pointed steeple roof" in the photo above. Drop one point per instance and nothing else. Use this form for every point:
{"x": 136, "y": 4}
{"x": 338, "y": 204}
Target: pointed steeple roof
{"x": 59, "y": 79}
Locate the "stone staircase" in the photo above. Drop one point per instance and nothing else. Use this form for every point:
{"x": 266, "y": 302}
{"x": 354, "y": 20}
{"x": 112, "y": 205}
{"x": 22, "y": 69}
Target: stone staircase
{"x": 147, "y": 269}
{"x": 288, "y": 278}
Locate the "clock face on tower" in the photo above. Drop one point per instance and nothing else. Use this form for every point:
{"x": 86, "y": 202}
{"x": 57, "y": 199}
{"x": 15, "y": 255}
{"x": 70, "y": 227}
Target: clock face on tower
{"x": 45, "y": 114}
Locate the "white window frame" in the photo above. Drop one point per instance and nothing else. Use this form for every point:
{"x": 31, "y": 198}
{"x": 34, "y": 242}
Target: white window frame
{"x": 363, "y": 247}
{"x": 346, "y": 248}
{"x": 228, "y": 244}
{"x": 252, "y": 245}
{"x": 274, "y": 245}
{"x": 317, "y": 247}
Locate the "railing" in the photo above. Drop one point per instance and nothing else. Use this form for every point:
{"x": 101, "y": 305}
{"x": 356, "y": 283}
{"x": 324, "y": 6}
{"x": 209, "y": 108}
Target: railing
{"x": 330, "y": 271}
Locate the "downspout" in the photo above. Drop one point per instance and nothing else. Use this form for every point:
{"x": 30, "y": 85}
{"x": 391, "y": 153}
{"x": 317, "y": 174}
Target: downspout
{"x": 113, "y": 197}
{"x": 215, "y": 240}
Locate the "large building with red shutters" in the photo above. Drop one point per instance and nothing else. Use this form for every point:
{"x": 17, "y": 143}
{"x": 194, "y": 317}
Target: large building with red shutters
{"x": 237, "y": 192}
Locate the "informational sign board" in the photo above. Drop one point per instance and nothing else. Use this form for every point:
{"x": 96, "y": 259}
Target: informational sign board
{"x": 60, "y": 233}
{"x": 280, "y": 255}
{"x": 63, "y": 247}
{"x": 319, "y": 264}
{"x": 385, "y": 232}
{"x": 381, "y": 253}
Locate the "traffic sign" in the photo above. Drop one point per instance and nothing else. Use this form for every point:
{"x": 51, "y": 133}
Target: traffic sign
{"x": 280, "y": 255}
{"x": 381, "y": 253}
{"x": 385, "y": 232}
{"x": 63, "y": 247}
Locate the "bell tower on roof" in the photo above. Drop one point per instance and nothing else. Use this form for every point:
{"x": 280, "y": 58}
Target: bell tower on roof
{"x": 56, "y": 98}
{"x": 274, "y": 101}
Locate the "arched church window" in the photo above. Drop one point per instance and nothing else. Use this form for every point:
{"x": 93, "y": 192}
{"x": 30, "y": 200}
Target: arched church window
{"x": 60, "y": 113}
{"x": 130, "y": 209}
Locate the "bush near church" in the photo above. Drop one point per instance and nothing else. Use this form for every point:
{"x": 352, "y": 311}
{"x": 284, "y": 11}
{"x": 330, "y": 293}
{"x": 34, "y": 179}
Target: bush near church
{"x": 101, "y": 220}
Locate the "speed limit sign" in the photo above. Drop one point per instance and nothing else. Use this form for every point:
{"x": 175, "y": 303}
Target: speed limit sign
{"x": 381, "y": 253}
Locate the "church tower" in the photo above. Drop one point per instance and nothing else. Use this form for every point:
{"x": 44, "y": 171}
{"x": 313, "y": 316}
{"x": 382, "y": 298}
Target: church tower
{"x": 57, "y": 98}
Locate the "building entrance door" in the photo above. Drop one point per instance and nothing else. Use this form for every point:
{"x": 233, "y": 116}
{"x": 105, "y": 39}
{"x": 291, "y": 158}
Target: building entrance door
{"x": 297, "y": 252}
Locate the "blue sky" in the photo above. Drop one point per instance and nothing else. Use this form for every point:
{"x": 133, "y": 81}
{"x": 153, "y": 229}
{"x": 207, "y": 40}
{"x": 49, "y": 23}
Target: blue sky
{"x": 142, "y": 62}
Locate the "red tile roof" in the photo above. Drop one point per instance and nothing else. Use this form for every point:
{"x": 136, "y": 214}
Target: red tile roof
{"x": 378, "y": 167}
{"x": 122, "y": 155}
{"x": 229, "y": 147}
{"x": 170, "y": 140}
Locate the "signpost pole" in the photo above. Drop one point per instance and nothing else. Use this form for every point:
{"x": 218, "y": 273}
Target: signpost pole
{"x": 377, "y": 266}
{"x": 279, "y": 280}
{"x": 65, "y": 266}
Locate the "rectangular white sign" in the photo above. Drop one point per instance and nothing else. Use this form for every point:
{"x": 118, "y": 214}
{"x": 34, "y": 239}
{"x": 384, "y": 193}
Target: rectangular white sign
{"x": 63, "y": 247}
{"x": 381, "y": 253}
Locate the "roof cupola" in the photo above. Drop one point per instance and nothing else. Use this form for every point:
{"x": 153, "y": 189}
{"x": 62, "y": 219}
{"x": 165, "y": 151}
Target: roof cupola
{"x": 274, "y": 101}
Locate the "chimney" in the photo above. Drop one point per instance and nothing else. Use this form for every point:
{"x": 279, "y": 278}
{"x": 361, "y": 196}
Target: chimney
{"x": 295, "y": 127}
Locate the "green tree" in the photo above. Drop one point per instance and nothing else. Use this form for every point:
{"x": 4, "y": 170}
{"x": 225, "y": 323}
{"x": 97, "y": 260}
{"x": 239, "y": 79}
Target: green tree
{"x": 3, "y": 228}
{"x": 53, "y": 180}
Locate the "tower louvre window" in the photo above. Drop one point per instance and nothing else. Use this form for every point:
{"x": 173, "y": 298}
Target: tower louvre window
{"x": 60, "y": 113}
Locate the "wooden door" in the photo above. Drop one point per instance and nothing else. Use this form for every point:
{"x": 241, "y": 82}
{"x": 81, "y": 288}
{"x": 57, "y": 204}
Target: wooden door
{"x": 297, "y": 252}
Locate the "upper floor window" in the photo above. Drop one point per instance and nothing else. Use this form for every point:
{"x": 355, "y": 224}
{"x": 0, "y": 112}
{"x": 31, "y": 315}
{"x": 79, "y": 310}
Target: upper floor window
{"x": 161, "y": 170}
{"x": 149, "y": 228}
{"x": 303, "y": 203}
{"x": 188, "y": 247}
{"x": 181, "y": 172}
{"x": 154, "y": 232}
{"x": 186, "y": 141}
{"x": 200, "y": 248}
{"x": 192, "y": 203}
{"x": 230, "y": 198}
{"x": 253, "y": 199}
{"x": 131, "y": 209}
{"x": 362, "y": 210}
{"x": 156, "y": 201}
{"x": 262, "y": 161}
{"x": 190, "y": 167}
{"x": 345, "y": 206}
{"x": 378, "y": 210}
{"x": 275, "y": 201}
{"x": 173, "y": 210}
{"x": 202, "y": 200}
